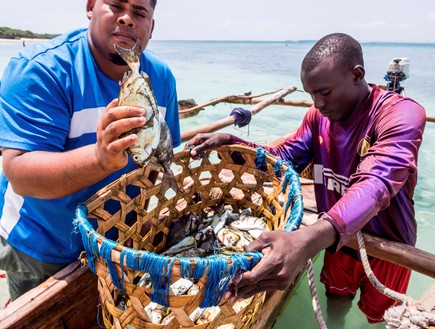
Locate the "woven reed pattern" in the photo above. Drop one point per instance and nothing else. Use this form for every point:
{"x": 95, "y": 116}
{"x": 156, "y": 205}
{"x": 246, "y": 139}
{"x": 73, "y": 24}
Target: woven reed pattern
{"x": 220, "y": 177}
{"x": 308, "y": 172}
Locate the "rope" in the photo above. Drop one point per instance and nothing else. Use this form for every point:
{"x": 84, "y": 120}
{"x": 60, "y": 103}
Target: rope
{"x": 315, "y": 297}
{"x": 295, "y": 199}
{"x": 410, "y": 314}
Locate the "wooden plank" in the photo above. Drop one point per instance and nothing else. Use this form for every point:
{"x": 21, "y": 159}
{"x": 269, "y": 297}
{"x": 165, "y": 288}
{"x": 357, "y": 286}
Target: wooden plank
{"x": 285, "y": 102}
{"x": 69, "y": 299}
{"x": 277, "y": 300}
{"x": 274, "y": 304}
{"x": 398, "y": 253}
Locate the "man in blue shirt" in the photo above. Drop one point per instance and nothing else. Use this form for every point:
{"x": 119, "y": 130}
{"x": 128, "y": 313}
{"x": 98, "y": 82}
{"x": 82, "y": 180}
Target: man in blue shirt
{"x": 60, "y": 130}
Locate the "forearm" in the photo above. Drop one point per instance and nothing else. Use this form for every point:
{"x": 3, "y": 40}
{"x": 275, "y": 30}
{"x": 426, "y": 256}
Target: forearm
{"x": 318, "y": 237}
{"x": 49, "y": 175}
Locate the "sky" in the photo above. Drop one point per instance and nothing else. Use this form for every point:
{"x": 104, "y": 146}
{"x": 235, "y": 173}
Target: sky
{"x": 275, "y": 20}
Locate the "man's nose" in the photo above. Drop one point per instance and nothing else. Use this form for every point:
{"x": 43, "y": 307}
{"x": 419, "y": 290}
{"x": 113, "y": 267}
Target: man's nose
{"x": 319, "y": 102}
{"x": 126, "y": 20}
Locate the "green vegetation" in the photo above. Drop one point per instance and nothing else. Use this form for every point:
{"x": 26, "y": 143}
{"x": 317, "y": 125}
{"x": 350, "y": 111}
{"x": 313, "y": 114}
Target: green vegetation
{"x": 9, "y": 33}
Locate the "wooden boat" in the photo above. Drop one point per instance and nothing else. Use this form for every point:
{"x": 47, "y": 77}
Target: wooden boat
{"x": 70, "y": 298}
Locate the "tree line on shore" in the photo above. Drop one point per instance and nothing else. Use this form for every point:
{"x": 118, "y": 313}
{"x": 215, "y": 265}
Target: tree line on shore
{"x": 10, "y": 33}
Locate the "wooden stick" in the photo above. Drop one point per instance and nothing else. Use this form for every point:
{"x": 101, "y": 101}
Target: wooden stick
{"x": 286, "y": 102}
{"x": 289, "y": 102}
{"x": 212, "y": 102}
{"x": 231, "y": 119}
{"x": 398, "y": 253}
{"x": 227, "y": 99}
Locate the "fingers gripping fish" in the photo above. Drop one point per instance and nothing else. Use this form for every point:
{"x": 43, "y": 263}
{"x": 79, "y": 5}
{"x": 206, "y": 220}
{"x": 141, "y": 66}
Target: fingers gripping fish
{"x": 154, "y": 138}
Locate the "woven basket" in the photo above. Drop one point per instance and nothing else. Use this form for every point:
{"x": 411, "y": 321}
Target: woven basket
{"x": 232, "y": 177}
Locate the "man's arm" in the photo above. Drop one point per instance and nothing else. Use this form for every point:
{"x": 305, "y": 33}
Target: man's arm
{"x": 49, "y": 175}
{"x": 285, "y": 253}
{"x": 388, "y": 170}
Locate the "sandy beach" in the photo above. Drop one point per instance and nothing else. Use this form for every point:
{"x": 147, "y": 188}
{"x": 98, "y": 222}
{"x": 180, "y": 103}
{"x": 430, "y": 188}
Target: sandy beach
{"x": 21, "y": 40}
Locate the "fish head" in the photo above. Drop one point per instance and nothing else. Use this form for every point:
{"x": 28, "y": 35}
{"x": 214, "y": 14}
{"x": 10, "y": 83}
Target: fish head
{"x": 139, "y": 156}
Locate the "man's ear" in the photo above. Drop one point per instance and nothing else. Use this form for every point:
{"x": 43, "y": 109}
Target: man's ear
{"x": 152, "y": 29}
{"x": 89, "y": 8}
{"x": 358, "y": 73}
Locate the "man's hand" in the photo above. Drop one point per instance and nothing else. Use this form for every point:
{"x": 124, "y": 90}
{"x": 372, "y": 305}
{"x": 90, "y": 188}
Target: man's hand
{"x": 285, "y": 254}
{"x": 205, "y": 141}
{"x": 116, "y": 120}
{"x": 284, "y": 257}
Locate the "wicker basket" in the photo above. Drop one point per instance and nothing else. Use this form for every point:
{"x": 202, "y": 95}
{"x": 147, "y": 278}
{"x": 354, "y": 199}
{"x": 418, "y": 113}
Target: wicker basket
{"x": 213, "y": 179}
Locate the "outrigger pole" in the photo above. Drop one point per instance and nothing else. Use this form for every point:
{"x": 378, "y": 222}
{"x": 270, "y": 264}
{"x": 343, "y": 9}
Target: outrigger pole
{"x": 231, "y": 119}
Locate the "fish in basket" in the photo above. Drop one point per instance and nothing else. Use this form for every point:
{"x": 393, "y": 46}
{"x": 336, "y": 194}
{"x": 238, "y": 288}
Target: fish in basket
{"x": 157, "y": 261}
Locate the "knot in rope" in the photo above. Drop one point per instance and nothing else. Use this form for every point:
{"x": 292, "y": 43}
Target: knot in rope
{"x": 242, "y": 117}
{"x": 260, "y": 160}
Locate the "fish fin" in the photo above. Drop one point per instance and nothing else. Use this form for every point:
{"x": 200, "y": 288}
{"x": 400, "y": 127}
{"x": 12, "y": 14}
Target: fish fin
{"x": 169, "y": 181}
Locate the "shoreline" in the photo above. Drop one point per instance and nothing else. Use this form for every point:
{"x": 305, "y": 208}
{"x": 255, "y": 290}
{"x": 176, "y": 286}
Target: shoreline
{"x": 21, "y": 40}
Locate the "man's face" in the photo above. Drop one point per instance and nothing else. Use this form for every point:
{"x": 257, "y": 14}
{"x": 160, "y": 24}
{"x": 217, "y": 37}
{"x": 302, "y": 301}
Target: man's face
{"x": 119, "y": 22}
{"x": 332, "y": 89}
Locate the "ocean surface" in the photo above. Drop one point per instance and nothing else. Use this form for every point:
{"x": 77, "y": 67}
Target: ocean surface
{"x": 210, "y": 69}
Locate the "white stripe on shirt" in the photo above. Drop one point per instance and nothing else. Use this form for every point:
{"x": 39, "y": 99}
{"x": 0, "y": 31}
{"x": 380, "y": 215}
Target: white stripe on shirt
{"x": 85, "y": 121}
{"x": 11, "y": 211}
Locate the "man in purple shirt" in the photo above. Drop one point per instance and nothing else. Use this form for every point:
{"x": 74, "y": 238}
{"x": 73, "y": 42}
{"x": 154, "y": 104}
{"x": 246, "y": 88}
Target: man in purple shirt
{"x": 363, "y": 143}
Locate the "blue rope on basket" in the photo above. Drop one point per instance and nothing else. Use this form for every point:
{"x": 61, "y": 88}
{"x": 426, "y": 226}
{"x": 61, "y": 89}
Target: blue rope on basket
{"x": 294, "y": 198}
{"x": 159, "y": 267}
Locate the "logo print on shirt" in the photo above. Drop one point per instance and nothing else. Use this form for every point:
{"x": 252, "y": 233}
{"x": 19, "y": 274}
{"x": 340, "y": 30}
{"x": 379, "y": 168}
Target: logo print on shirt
{"x": 332, "y": 181}
{"x": 363, "y": 146}
{"x": 320, "y": 140}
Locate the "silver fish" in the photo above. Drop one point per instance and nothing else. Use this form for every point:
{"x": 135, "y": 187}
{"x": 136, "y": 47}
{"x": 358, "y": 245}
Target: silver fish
{"x": 154, "y": 138}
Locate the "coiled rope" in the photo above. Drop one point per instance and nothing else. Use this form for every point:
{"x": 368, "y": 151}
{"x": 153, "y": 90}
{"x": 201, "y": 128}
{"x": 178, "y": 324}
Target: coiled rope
{"x": 409, "y": 315}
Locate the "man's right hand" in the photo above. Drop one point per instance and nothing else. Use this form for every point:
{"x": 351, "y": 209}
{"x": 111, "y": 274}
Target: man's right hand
{"x": 206, "y": 141}
{"x": 116, "y": 120}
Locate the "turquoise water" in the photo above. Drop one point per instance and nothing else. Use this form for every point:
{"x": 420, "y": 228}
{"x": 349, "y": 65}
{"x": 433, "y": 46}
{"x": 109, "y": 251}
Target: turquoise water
{"x": 208, "y": 69}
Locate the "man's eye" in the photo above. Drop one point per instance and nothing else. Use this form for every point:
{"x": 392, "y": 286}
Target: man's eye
{"x": 141, "y": 14}
{"x": 325, "y": 92}
{"x": 115, "y": 6}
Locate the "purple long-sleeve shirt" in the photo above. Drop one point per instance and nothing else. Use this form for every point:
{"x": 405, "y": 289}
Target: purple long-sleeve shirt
{"x": 365, "y": 168}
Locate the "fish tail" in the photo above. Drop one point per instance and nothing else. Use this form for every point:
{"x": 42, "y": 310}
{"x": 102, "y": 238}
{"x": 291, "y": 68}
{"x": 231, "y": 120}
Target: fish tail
{"x": 169, "y": 181}
{"x": 130, "y": 56}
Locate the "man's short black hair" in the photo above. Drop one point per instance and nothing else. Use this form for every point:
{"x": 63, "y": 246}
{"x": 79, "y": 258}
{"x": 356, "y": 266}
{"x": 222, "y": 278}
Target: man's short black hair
{"x": 345, "y": 51}
{"x": 153, "y": 3}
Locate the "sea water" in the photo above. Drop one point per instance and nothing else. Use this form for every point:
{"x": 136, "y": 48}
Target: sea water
{"x": 210, "y": 69}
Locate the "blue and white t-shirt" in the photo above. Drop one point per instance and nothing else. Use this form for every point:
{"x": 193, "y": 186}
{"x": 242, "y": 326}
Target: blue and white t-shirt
{"x": 51, "y": 98}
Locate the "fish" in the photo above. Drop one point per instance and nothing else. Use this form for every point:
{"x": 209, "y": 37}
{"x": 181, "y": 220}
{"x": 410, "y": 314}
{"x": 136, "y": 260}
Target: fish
{"x": 154, "y": 140}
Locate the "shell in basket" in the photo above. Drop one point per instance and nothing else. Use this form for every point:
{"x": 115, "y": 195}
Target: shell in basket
{"x": 137, "y": 283}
